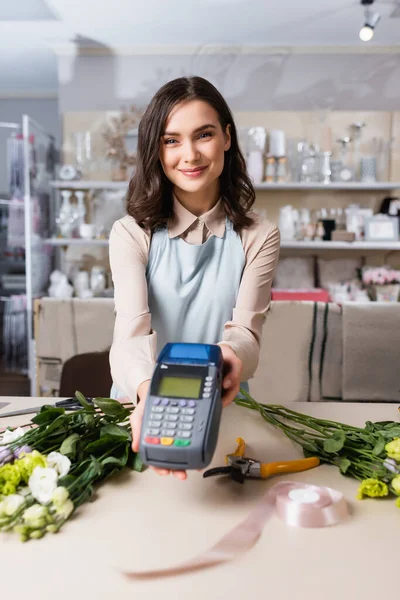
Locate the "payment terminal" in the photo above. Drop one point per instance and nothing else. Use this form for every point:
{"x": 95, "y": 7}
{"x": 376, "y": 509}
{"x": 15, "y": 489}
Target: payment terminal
{"x": 183, "y": 408}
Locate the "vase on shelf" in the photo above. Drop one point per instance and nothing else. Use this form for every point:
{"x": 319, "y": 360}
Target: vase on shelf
{"x": 387, "y": 293}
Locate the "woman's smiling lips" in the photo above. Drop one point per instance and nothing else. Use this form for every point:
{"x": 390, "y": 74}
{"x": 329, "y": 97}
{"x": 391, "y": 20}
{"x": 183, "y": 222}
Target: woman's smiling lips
{"x": 193, "y": 172}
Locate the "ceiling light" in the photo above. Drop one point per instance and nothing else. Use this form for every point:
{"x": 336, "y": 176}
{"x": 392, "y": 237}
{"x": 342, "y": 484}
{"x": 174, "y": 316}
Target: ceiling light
{"x": 371, "y": 19}
{"x": 366, "y": 33}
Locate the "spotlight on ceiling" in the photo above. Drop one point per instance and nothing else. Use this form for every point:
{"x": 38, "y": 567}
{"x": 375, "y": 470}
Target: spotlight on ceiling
{"x": 371, "y": 19}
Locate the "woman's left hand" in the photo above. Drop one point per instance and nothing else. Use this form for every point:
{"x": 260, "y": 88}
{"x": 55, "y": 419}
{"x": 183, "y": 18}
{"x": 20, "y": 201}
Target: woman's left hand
{"x": 233, "y": 368}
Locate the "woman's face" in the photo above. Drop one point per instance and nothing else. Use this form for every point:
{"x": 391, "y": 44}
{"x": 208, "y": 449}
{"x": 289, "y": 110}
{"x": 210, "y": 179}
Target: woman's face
{"x": 192, "y": 146}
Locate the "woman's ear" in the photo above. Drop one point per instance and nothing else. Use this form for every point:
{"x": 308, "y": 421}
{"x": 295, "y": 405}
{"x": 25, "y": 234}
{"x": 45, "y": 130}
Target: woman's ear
{"x": 227, "y": 135}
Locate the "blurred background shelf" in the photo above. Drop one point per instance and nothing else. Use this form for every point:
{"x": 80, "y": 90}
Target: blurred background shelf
{"x": 287, "y": 245}
{"x": 74, "y": 242}
{"x": 351, "y": 186}
{"x": 89, "y": 185}
{"x": 310, "y": 245}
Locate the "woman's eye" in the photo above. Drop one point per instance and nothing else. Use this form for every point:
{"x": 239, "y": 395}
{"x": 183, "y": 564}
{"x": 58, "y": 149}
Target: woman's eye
{"x": 170, "y": 141}
{"x": 206, "y": 134}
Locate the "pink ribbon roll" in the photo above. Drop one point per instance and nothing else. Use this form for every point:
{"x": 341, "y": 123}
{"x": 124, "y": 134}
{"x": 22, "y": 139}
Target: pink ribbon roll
{"x": 298, "y": 505}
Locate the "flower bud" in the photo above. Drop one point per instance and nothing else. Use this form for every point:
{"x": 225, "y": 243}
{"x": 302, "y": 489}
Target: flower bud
{"x": 20, "y": 452}
{"x": 36, "y": 535}
{"x": 396, "y": 484}
{"x": 6, "y": 456}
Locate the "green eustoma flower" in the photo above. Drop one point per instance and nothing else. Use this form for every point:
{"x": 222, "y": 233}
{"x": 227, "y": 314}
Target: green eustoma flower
{"x": 393, "y": 449}
{"x": 373, "y": 488}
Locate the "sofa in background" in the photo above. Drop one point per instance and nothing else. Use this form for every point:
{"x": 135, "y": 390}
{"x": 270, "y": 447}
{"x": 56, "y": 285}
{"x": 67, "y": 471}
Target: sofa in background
{"x": 310, "y": 351}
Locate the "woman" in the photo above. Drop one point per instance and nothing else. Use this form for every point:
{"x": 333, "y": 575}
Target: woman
{"x": 190, "y": 262}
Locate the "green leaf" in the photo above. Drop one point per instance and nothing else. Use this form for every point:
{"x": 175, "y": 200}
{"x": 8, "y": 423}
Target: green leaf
{"x": 367, "y": 438}
{"x": 336, "y": 442}
{"x": 343, "y": 463}
{"x": 113, "y": 431}
{"x": 100, "y": 446}
{"x": 115, "y": 460}
{"x": 136, "y": 463}
{"x": 58, "y": 425}
{"x": 68, "y": 447}
{"x": 95, "y": 467}
{"x": 67, "y": 480}
{"x": 47, "y": 414}
{"x": 82, "y": 400}
{"x": 111, "y": 408}
{"x": 386, "y": 424}
{"x": 379, "y": 446}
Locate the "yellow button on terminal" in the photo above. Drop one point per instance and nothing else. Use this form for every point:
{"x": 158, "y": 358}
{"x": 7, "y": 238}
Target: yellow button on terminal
{"x": 167, "y": 441}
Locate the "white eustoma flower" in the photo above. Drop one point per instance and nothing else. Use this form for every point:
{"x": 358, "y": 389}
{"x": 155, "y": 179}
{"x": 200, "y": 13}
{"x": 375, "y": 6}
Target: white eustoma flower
{"x": 65, "y": 509}
{"x": 35, "y": 515}
{"x": 59, "y": 496}
{"x": 42, "y": 484}
{"x": 11, "y": 436}
{"x": 11, "y": 504}
{"x": 59, "y": 462}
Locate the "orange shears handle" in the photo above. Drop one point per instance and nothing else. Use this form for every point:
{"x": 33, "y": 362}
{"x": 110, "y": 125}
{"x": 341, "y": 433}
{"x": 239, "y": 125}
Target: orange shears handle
{"x": 291, "y": 466}
{"x": 240, "y": 450}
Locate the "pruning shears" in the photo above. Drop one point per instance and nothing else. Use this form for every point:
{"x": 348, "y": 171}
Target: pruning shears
{"x": 239, "y": 467}
{"x": 69, "y": 404}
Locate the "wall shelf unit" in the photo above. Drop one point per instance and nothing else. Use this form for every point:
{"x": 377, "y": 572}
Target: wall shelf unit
{"x": 351, "y": 186}
{"x": 359, "y": 246}
{"x": 74, "y": 242}
{"x": 285, "y": 245}
{"x": 327, "y": 187}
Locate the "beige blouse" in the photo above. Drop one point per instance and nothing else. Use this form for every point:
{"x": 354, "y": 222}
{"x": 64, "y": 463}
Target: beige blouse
{"x": 133, "y": 351}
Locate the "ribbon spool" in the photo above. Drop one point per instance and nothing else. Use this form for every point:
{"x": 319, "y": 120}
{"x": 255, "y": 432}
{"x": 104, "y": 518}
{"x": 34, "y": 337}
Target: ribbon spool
{"x": 308, "y": 506}
{"x": 298, "y": 505}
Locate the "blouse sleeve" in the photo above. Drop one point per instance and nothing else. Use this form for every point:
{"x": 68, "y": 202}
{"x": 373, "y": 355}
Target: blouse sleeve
{"x": 133, "y": 350}
{"x": 243, "y": 332}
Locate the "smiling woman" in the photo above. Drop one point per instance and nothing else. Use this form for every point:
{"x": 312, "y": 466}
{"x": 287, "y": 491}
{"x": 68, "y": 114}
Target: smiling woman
{"x": 193, "y": 157}
{"x": 191, "y": 263}
{"x": 188, "y": 140}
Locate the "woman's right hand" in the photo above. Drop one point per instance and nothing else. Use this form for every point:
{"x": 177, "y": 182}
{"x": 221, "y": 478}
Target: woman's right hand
{"x": 136, "y": 425}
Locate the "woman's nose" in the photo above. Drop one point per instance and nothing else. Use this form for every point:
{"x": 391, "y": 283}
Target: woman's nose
{"x": 191, "y": 153}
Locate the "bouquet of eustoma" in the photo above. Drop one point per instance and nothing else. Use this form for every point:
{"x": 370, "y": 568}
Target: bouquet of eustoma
{"x": 370, "y": 454}
{"x": 49, "y": 467}
{"x": 380, "y": 276}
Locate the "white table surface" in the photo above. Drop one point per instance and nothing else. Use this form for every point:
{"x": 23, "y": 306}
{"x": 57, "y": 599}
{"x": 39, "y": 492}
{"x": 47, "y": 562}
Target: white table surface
{"x": 141, "y": 520}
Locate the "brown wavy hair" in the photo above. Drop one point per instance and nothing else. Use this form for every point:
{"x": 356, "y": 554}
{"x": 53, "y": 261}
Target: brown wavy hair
{"x": 149, "y": 198}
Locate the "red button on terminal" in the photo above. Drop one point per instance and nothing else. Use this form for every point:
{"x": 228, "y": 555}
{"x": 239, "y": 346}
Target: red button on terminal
{"x": 152, "y": 440}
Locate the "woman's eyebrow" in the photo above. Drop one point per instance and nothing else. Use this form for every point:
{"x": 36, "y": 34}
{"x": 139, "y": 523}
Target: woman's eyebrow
{"x": 202, "y": 128}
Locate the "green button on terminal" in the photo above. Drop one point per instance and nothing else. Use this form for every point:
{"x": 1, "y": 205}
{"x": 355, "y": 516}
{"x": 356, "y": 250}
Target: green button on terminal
{"x": 182, "y": 443}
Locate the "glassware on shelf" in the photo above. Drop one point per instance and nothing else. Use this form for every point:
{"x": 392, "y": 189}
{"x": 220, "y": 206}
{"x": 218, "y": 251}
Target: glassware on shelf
{"x": 270, "y": 169}
{"x": 66, "y": 219}
{"x": 295, "y": 151}
{"x": 346, "y": 173}
{"x": 325, "y": 172}
{"x": 97, "y": 280}
{"x": 356, "y": 134}
{"x": 336, "y": 167}
{"x": 80, "y": 209}
{"x": 382, "y": 150}
{"x": 83, "y": 153}
{"x": 368, "y": 169}
{"x": 309, "y": 165}
{"x": 281, "y": 169}
{"x": 277, "y": 143}
{"x": 255, "y": 153}
{"x": 340, "y": 220}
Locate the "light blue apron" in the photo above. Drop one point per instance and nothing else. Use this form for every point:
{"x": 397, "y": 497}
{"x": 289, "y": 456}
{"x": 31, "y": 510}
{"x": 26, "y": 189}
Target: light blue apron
{"x": 192, "y": 289}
